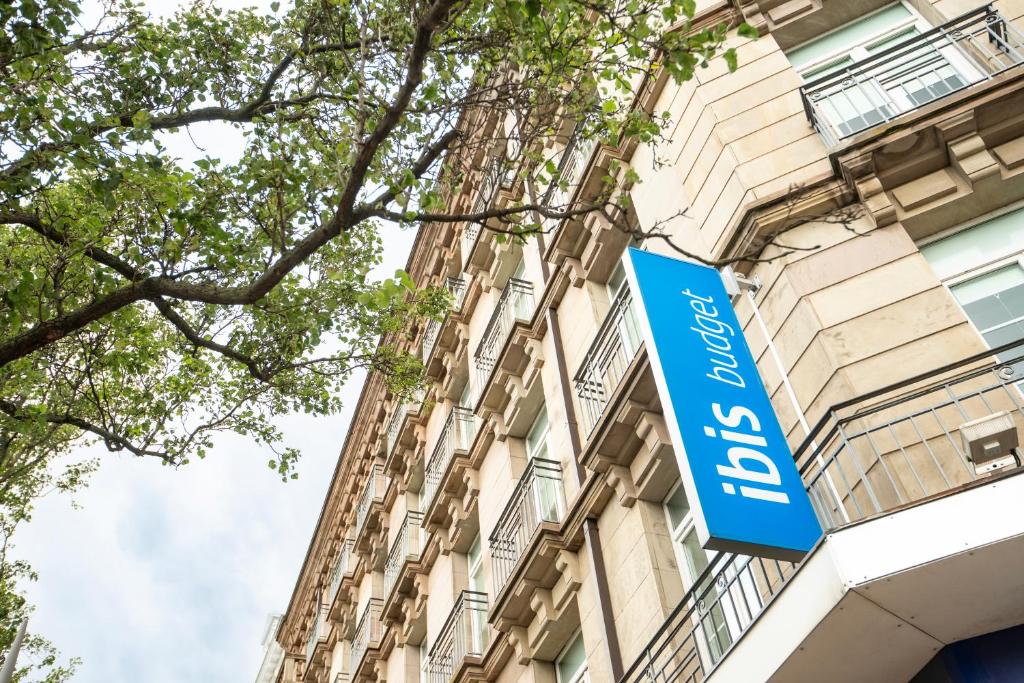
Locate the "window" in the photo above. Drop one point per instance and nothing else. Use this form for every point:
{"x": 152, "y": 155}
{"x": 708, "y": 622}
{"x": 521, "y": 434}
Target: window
{"x": 724, "y": 607}
{"x": 546, "y": 489}
{"x": 424, "y": 662}
{"x": 478, "y": 617}
{"x": 871, "y": 91}
{"x": 571, "y": 665}
{"x": 983, "y": 266}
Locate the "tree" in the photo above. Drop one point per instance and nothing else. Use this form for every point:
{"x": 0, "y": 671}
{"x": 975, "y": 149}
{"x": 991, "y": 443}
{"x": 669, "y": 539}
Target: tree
{"x": 149, "y": 302}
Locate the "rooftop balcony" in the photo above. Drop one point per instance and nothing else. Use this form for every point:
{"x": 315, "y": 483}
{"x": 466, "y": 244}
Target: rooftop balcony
{"x": 365, "y": 639}
{"x": 514, "y": 305}
{"x": 607, "y": 359}
{"x": 919, "y": 549}
{"x": 854, "y": 97}
{"x": 453, "y": 444}
{"x": 463, "y": 638}
{"x": 404, "y": 550}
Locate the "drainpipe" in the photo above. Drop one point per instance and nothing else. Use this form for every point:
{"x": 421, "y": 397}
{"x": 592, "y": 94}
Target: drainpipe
{"x": 591, "y": 537}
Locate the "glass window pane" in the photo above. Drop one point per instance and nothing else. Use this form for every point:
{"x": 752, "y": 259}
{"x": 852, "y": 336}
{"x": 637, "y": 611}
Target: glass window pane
{"x": 678, "y": 507}
{"x": 536, "y": 440}
{"x": 572, "y": 661}
{"x": 976, "y": 246}
{"x": 849, "y": 36}
{"x": 696, "y": 557}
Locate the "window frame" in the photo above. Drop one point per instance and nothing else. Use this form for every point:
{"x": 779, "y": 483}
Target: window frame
{"x": 580, "y": 675}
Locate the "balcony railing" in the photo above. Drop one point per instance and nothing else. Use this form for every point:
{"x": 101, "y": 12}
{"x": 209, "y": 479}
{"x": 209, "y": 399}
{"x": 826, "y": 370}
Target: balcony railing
{"x": 341, "y": 567}
{"x": 538, "y": 497}
{"x": 571, "y": 166}
{"x": 395, "y": 425}
{"x": 974, "y": 47}
{"x": 514, "y": 304}
{"x": 374, "y": 490}
{"x": 406, "y": 548}
{"x": 456, "y": 436}
{"x": 457, "y": 287}
{"x": 318, "y": 631}
{"x": 367, "y": 634}
{"x": 464, "y": 634}
{"x": 611, "y": 352}
{"x": 470, "y": 234}
{"x": 867, "y": 457}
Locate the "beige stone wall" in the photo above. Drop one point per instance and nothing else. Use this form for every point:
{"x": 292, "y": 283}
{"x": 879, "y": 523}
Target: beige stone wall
{"x": 851, "y": 309}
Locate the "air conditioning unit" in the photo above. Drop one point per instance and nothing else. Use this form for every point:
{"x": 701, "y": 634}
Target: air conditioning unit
{"x": 990, "y": 442}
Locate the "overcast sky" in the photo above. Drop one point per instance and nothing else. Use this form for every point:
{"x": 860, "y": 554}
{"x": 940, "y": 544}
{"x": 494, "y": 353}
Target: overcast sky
{"x": 167, "y": 575}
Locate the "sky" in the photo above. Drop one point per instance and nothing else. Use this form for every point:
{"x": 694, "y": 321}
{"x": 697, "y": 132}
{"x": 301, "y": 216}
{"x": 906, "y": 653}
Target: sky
{"x": 160, "y": 575}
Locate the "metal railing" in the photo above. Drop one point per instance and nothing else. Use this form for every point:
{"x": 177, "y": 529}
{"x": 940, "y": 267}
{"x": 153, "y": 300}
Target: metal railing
{"x": 514, "y": 304}
{"x": 457, "y": 287}
{"x": 465, "y": 633}
{"x": 341, "y": 567}
{"x": 974, "y": 47}
{"x": 571, "y": 166}
{"x": 374, "y": 490}
{"x": 405, "y": 548}
{"x": 611, "y": 352}
{"x": 317, "y": 632}
{"x": 470, "y": 234}
{"x": 367, "y": 634}
{"x": 902, "y": 446}
{"x": 395, "y": 425}
{"x": 867, "y": 456}
{"x": 456, "y": 436}
{"x": 538, "y": 497}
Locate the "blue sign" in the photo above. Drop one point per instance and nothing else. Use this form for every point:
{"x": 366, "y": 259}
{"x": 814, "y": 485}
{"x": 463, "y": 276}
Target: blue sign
{"x": 743, "y": 486}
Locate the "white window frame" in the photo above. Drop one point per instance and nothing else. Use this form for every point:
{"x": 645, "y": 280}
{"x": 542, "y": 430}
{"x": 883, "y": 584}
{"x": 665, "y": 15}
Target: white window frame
{"x": 580, "y": 675}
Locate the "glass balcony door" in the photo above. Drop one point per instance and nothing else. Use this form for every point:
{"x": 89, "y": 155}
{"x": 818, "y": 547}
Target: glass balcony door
{"x": 478, "y": 618}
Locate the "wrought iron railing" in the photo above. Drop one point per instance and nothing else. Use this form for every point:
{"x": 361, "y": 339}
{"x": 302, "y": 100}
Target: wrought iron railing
{"x": 318, "y": 630}
{"x": 937, "y": 63}
{"x": 405, "y": 548}
{"x": 367, "y": 634}
{"x": 867, "y": 456}
{"x": 373, "y": 491}
{"x": 456, "y": 436}
{"x": 341, "y": 567}
{"x": 538, "y": 497}
{"x": 611, "y": 352}
{"x": 470, "y": 234}
{"x": 514, "y": 304}
{"x": 465, "y": 633}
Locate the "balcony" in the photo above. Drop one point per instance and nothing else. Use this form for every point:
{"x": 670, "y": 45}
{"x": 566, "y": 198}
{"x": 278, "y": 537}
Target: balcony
{"x": 404, "y": 550}
{"x": 369, "y": 507}
{"x": 457, "y": 287}
{"x": 365, "y": 638}
{"x": 342, "y": 567}
{"x": 514, "y": 305}
{"x": 572, "y": 166}
{"x": 463, "y": 637}
{"x": 910, "y": 525}
{"x": 318, "y": 633}
{"x": 453, "y": 444}
{"x": 537, "y": 499}
{"x": 607, "y": 359}
{"x": 972, "y": 48}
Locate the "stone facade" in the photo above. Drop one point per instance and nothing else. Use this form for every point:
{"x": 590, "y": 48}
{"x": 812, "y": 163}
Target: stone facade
{"x": 526, "y": 546}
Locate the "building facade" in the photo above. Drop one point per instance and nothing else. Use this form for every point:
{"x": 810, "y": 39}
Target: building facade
{"x": 523, "y": 519}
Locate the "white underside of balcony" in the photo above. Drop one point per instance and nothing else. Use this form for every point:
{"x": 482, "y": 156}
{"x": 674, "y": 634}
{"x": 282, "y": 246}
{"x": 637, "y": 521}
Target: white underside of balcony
{"x": 877, "y": 600}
